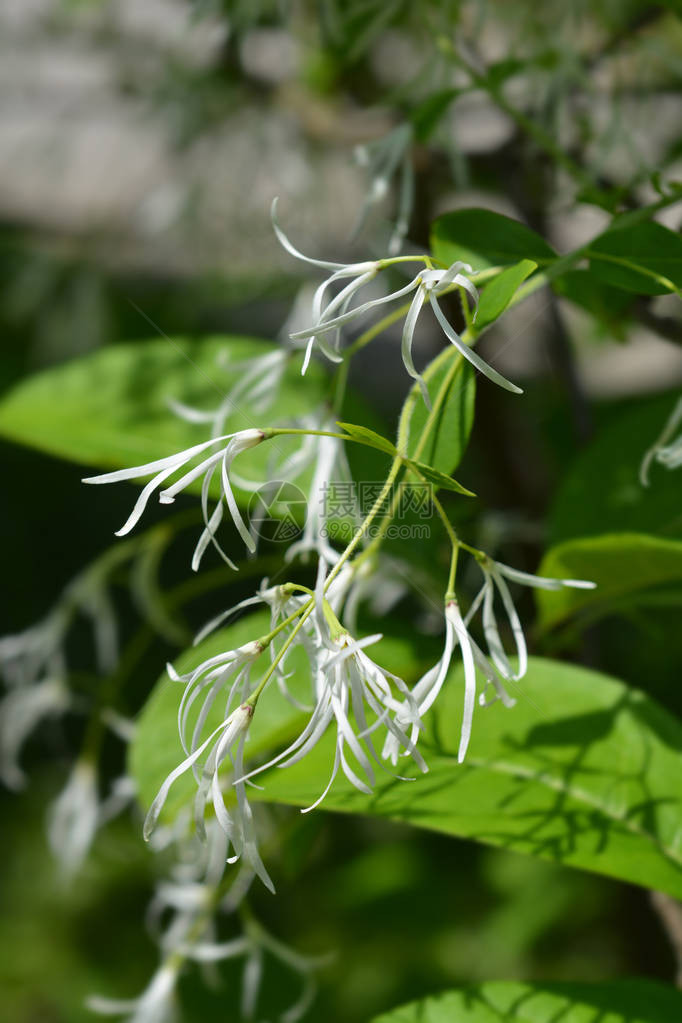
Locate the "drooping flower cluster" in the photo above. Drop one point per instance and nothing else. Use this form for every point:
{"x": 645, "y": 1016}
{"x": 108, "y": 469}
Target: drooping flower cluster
{"x": 185, "y": 917}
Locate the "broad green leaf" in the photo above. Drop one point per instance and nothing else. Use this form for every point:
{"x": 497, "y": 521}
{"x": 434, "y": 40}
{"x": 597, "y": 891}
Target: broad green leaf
{"x": 601, "y": 491}
{"x": 498, "y": 294}
{"x": 156, "y": 750}
{"x": 439, "y": 437}
{"x": 484, "y": 239}
{"x": 623, "y": 565}
{"x": 583, "y": 771}
{"x": 622, "y": 1001}
{"x": 369, "y": 437}
{"x": 645, "y": 258}
{"x": 439, "y": 479}
{"x": 110, "y": 409}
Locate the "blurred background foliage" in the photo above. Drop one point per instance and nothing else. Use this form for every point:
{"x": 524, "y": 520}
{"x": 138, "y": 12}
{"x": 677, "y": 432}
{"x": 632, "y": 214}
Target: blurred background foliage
{"x": 140, "y": 147}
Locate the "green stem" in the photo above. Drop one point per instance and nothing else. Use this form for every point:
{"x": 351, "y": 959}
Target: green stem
{"x": 304, "y": 613}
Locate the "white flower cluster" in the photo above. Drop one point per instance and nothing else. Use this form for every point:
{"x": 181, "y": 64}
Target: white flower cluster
{"x": 185, "y": 919}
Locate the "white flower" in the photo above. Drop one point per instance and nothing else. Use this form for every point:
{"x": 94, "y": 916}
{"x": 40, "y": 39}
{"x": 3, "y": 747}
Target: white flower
{"x": 361, "y": 273}
{"x": 426, "y": 690}
{"x": 664, "y": 452}
{"x": 227, "y": 740}
{"x": 163, "y": 468}
{"x": 349, "y": 686}
{"x": 495, "y": 575}
{"x": 427, "y": 284}
{"x": 73, "y": 818}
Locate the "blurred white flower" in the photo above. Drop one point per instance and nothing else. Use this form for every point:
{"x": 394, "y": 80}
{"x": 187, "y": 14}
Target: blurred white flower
{"x": 258, "y": 381}
{"x": 156, "y": 1004}
{"x": 22, "y": 710}
{"x": 73, "y": 818}
{"x": 427, "y": 284}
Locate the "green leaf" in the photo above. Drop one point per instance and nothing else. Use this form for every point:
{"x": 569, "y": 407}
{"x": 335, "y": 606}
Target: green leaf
{"x": 155, "y": 749}
{"x": 601, "y": 492}
{"x": 606, "y": 303}
{"x": 484, "y": 239}
{"x": 623, "y": 565}
{"x": 439, "y": 479}
{"x": 452, "y": 385}
{"x": 369, "y": 437}
{"x": 623, "y": 1001}
{"x": 110, "y": 409}
{"x": 583, "y": 771}
{"x": 645, "y": 258}
{"x": 498, "y": 294}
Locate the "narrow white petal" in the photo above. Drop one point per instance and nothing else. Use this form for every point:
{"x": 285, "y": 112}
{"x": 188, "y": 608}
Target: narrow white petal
{"x": 178, "y": 459}
{"x": 481, "y": 365}
{"x": 515, "y": 622}
{"x": 142, "y": 500}
{"x": 232, "y": 504}
{"x": 469, "y": 681}
{"x": 326, "y": 325}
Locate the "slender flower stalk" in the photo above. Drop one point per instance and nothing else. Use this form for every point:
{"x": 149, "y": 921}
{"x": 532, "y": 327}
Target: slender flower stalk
{"x": 163, "y": 468}
{"x": 22, "y": 709}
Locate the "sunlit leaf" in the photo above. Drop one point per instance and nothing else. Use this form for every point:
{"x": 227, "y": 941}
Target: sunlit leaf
{"x": 625, "y": 567}
{"x": 623, "y": 1001}
{"x": 583, "y": 771}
